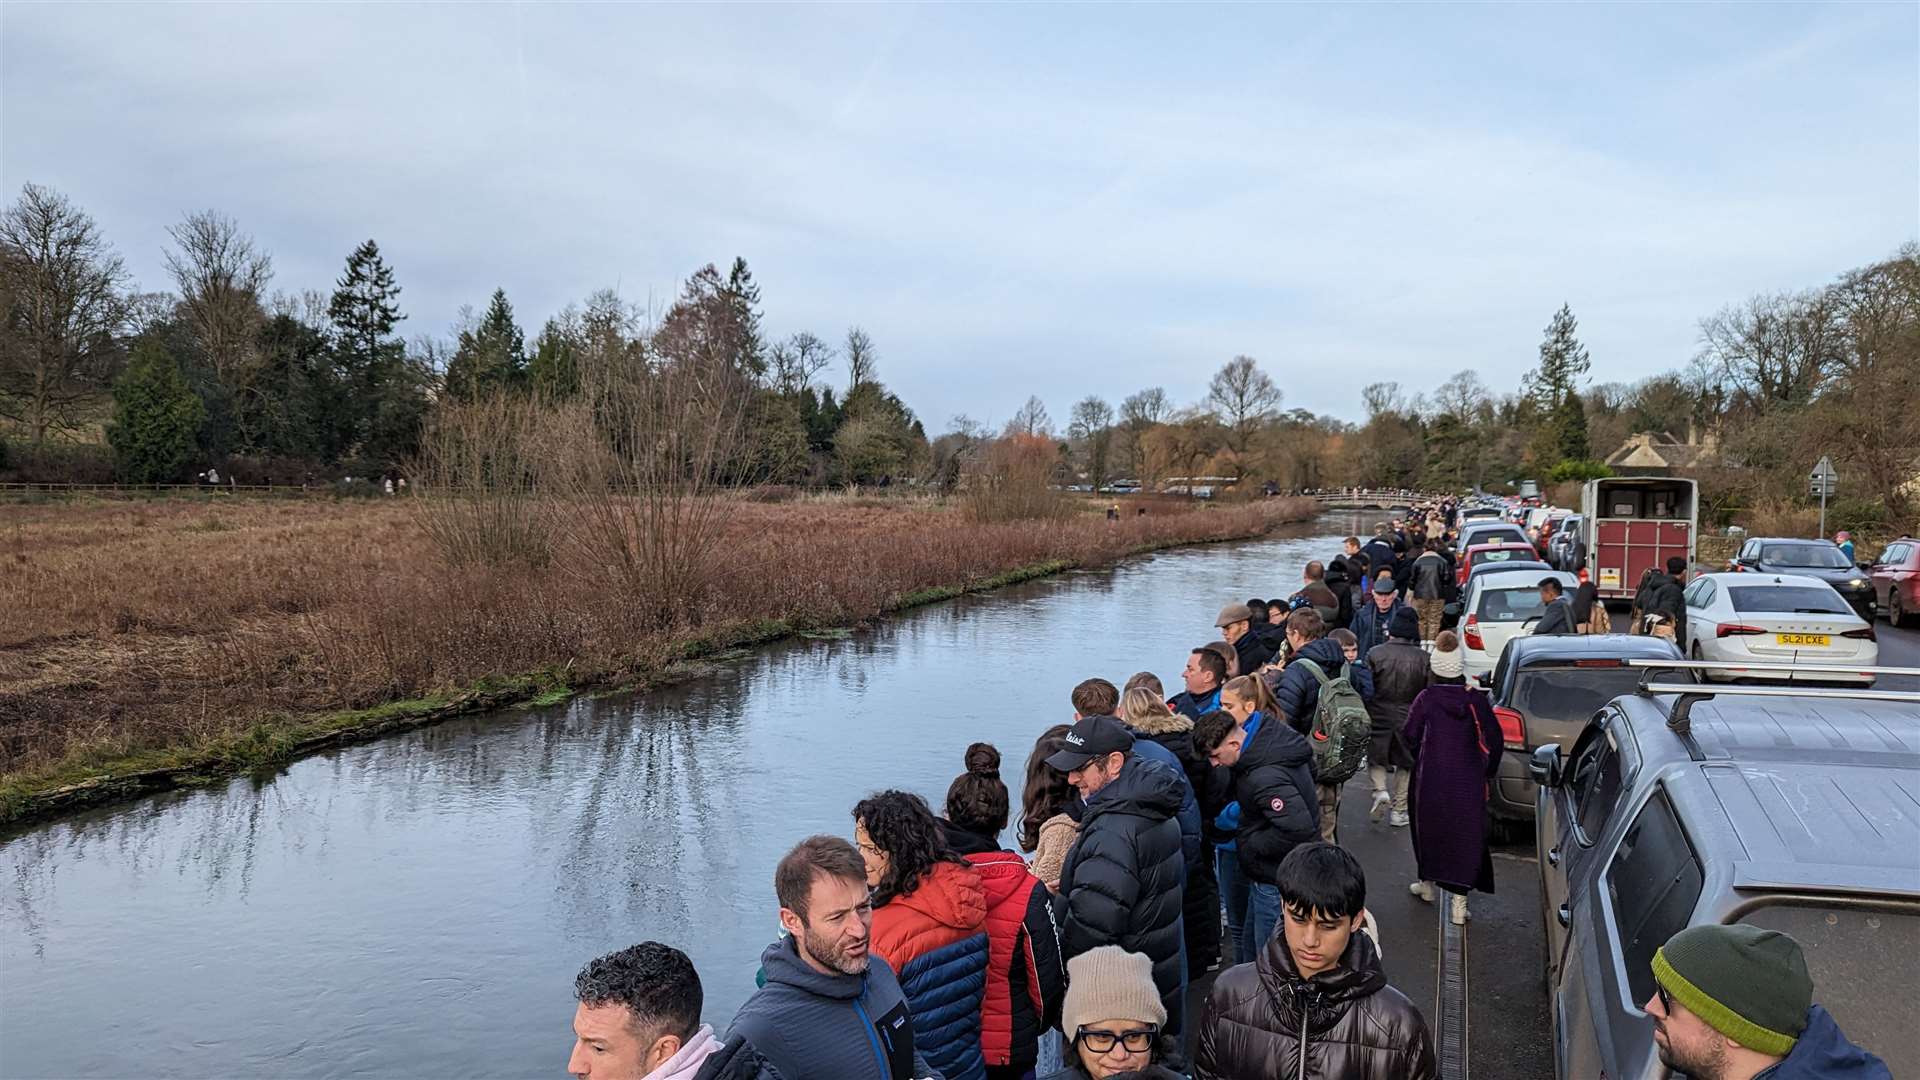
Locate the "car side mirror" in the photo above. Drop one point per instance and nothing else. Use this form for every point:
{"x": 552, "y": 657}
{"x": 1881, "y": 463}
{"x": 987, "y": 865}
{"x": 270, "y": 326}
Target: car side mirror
{"x": 1544, "y": 766}
{"x": 1867, "y": 566}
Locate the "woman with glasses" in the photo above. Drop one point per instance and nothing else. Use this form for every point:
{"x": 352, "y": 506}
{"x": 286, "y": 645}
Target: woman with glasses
{"x": 1113, "y": 1016}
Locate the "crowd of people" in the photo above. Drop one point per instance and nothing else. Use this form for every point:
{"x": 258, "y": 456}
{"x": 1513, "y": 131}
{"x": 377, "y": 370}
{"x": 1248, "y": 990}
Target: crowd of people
{"x": 1162, "y": 838}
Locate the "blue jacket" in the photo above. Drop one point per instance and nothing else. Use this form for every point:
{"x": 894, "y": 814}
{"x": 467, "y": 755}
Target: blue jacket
{"x": 804, "y": 1023}
{"x": 945, "y": 989}
{"x": 1370, "y": 626}
{"x": 1193, "y": 708}
{"x": 1299, "y": 692}
{"x": 1191, "y": 847}
{"x": 1824, "y": 1053}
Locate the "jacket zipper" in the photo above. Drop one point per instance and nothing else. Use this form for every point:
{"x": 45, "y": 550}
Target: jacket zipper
{"x": 1302, "y": 1074}
{"x": 873, "y": 1037}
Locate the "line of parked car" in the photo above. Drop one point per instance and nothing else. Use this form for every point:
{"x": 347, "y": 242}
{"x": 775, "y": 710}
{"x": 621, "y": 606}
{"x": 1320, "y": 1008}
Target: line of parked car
{"x": 1661, "y": 797}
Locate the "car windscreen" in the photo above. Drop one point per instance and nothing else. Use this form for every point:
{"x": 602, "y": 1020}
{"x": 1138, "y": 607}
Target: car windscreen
{"x": 1862, "y": 962}
{"x": 1812, "y": 556}
{"x": 1505, "y": 534}
{"x": 1499, "y": 555}
{"x": 1571, "y": 693}
{"x": 1787, "y": 599}
{"x": 1516, "y": 604}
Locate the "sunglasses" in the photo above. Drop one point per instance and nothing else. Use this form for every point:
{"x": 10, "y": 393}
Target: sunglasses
{"x": 1666, "y": 999}
{"x": 1137, "y": 1041}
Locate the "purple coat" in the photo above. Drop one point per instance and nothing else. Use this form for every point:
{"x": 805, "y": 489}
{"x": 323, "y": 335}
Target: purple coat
{"x": 1455, "y": 739}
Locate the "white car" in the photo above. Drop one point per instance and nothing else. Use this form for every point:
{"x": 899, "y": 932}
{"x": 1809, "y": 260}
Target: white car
{"x": 1501, "y": 605}
{"x": 1776, "y": 619}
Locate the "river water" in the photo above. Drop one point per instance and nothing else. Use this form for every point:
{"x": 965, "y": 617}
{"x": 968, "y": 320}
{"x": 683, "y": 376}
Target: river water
{"x": 419, "y": 905}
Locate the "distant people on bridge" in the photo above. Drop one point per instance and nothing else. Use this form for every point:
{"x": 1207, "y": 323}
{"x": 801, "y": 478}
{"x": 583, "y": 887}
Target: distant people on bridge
{"x": 1315, "y": 1003}
{"x": 828, "y": 1007}
{"x": 1736, "y": 1002}
{"x": 639, "y": 1016}
{"x": 1122, "y": 881}
{"x": 929, "y": 925}
{"x": 1401, "y": 671}
{"x": 1455, "y": 741}
{"x": 1114, "y": 1019}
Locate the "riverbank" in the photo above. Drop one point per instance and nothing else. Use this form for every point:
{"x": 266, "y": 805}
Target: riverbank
{"x": 163, "y": 644}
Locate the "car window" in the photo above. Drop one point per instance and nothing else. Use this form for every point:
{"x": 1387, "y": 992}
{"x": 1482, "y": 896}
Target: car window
{"x": 1788, "y": 599}
{"x": 1815, "y": 556}
{"x": 1498, "y": 555}
{"x": 1502, "y": 534}
{"x": 1570, "y": 693}
{"x": 1747, "y": 550}
{"x": 1510, "y": 605}
{"x": 1594, "y": 780}
{"x": 1653, "y": 885}
{"x": 1694, "y": 592}
{"x": 1862, "y": 966}
{"x": 1707, "y": 594}
{"x": 1895, "y": 555}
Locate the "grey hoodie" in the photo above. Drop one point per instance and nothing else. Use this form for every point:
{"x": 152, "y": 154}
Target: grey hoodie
{"x": 849, "y": 1027}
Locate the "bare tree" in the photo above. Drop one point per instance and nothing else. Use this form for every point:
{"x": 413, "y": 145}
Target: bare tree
{"x": 1032, "y": 419}
{"x": 1246, "y": 398}
{"x": 1774, "y": 350}
{"x": 1091, "y": 428}
{"x": 221, "y": 277}
{"x": 1383, "y": 397}
{"x": 797, "y": 361}
{"x": 863, "y": 364}
{"x": 1461, "y": 396}
{"x": 62, "y": 302}
{"x": 1139, "y": 414}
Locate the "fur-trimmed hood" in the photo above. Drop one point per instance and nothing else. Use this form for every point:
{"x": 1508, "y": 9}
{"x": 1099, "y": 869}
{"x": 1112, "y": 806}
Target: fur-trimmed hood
{"x": 1171, "y": 724}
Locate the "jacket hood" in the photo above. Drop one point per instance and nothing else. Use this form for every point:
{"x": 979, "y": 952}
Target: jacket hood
{"x": 1824, "y": 1053}
{"x": 950, "y": 894}
{"x": 781, "y": 963}
{"x": 1326, "y": 652}
{"x": 691, "y": 1057}
{"x": 1145, "y": 789}
{"x": 1173, "y": 724}
{"x": 1002, "y": 873}
{"x": 1327, "y": 994}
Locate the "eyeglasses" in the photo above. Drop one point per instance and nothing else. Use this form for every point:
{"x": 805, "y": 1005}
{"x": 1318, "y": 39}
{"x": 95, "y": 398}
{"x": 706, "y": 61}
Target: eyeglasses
{"x": 1666, "y": 999}
{"x": 1138, "y": 1041}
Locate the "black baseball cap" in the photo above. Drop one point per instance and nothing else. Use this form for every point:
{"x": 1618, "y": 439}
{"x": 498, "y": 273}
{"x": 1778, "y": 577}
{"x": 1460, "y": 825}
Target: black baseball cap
{"x": 1092, "y": 737}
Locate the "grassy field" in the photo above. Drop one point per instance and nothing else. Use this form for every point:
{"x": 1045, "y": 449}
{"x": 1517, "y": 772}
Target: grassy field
{"x": 216, "y": 633}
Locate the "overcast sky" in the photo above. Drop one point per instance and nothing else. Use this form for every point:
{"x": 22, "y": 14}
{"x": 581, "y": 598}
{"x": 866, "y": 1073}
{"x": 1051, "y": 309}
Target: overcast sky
{"x": 1058, "y": 200}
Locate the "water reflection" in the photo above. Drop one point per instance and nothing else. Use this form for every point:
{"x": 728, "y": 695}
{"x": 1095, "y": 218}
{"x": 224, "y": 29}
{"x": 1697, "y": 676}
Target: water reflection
{"x": 427, "y": 898}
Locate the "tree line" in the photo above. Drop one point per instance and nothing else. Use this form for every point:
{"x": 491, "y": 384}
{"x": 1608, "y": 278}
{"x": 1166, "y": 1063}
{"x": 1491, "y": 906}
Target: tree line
{"x": 284, "y": 387}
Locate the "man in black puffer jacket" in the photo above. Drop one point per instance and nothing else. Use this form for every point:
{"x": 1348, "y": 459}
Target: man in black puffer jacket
{"x": 1201, "y": 895}
{"x": 1315, "y": 1004}
{"x": 1122, "y": 883}
{"x": 1279, "y": 809}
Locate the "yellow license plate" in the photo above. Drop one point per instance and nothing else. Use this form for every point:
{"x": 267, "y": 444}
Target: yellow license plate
{"x": 1821, "y": 640}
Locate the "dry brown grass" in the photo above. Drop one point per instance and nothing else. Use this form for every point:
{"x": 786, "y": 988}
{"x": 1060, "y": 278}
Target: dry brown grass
{"x": 134, "y": 626}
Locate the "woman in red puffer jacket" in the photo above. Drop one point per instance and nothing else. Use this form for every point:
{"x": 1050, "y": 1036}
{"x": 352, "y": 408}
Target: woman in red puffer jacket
{"x": 1025, "y": 974}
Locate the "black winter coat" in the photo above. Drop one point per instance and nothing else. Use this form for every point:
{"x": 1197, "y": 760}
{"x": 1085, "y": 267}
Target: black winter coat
{"x": 736, "y": 1060}
{"x": 1340, "y": 580}
{"x": 1662, "y": 594}
{"x": 1252, "y": 651}
{"x": 1279, "y": 806}
{"x": 1401, "y": 669}
{"x": 1211, "y": 789}
{"x": 1355, "y": 1026}
{"x": 1122, "y": 881}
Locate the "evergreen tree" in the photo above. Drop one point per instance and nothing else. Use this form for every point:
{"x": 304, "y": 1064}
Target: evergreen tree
{"x": 1570, "y": 424}
{"x": 156, "y": 417}
{"x": 743, "y": 297}
{"x": 555, "y": 369}
{"x": 491, "y": 356}
{"x": 1559, "y": 424}
{"x": 368, "y": 357}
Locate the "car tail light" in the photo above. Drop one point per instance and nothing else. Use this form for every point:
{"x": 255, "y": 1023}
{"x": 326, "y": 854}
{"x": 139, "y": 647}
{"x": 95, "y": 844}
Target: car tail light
{"x": 1472, "y": 630}
{"x": 1599, "y": 663}
{"x": 1513, "y": 728}
{"x": 1733, "y": 629}
{"x": 1865, "y": 633}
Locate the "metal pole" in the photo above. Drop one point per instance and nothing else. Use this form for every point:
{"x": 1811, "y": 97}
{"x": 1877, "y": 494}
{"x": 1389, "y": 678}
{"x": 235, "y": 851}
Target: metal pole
{"x": 1823, "y": 507}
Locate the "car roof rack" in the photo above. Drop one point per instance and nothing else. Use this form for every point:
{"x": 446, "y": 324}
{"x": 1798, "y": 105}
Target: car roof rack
{"x": 1688, "y": 694}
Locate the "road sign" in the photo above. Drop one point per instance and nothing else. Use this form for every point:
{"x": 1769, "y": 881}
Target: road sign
{"x": 1823, "y": 481}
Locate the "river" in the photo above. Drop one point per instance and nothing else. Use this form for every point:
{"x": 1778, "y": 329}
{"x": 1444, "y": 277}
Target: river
{"x": 419, "y": 905}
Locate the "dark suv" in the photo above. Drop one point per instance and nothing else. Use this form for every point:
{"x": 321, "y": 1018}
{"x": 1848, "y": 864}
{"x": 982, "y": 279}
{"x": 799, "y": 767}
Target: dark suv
{"x": 1545, "y": 689}
{"x": 1810, "y": 558}
{"x": 1789, "y": 809}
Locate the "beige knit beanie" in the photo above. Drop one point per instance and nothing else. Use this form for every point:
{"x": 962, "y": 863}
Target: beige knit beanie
{"x": 1110, "y": 983}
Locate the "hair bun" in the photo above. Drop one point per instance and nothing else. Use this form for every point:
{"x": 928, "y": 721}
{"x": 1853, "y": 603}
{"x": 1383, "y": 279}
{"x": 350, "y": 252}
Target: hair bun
{"x": 983, "y": 760}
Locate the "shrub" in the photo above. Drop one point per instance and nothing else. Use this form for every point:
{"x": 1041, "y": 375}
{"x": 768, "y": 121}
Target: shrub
{"x": 1579, "y": 471}
{"x": 1014, "y": 482}
{"x": 156, "y": 417}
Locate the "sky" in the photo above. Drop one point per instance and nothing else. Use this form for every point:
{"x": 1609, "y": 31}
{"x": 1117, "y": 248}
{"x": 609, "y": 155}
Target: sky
{"x": 1058, "y": 200}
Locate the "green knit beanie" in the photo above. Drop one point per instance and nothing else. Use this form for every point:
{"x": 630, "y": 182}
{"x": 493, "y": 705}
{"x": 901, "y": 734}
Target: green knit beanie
{"x": 1749, "y": 984}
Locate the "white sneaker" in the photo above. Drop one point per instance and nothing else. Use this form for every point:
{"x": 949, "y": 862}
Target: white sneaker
{"x": 1381, "y": 800}
{"x": 1399, "y": 820}
{"x": 1459, "y": 909}
{"x": 1422, "y": 890}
